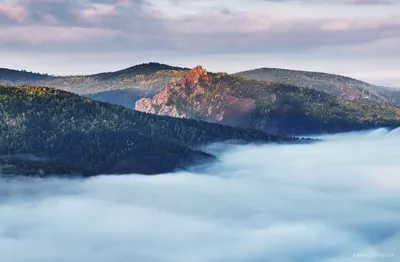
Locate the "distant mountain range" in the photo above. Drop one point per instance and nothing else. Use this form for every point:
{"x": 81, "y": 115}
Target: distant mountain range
{"x": 145, "y": 80}
{"x": 47, "y": 131}
{"x": 273, "y": 100}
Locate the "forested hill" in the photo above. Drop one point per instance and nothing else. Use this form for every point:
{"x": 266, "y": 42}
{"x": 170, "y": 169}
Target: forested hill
{"x": 76, "y": 133}
{"x": 142, "y": 69}
{"x": 339, "y": 86}
{"x": 10, "y": 76}
{"x": 143, "y": 79}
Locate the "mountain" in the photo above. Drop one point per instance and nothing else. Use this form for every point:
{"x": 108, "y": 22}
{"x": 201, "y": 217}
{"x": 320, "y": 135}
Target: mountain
{"x": 137, "y": 82}
{"x": 269, "y": 106}
{"x": 146, "y": 78}
{"x": 10, "y": 76}
{"x": 45, "y": 130}
{"x": 125, "y": 87}
{"x": 339, "y": 86}
{"x": 142, "y": 69}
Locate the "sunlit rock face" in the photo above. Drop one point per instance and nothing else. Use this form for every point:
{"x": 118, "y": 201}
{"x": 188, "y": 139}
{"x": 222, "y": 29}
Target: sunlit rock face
{"x": 200, "y": 95}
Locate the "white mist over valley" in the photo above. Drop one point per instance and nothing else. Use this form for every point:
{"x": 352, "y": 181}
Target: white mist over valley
{"x": 331, "y": 201}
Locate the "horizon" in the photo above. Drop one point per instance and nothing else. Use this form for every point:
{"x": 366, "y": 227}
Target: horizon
{"x": 358, "y": 39}
{"x": 183, "y": 66}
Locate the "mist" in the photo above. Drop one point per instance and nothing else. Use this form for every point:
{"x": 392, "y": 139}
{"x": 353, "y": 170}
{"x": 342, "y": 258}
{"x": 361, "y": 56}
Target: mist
{"x": 331, "y": 201}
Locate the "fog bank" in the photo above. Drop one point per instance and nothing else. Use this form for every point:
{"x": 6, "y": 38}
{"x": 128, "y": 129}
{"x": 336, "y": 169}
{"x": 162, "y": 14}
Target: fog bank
{"x": 334, "y": 201}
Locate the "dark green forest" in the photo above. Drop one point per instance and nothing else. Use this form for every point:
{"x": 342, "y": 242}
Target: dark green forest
{"x": 90, "y": 137}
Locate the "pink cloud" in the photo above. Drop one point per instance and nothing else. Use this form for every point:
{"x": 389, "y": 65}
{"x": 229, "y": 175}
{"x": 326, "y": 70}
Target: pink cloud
{"x": 353, "y": 24}
{"x": 146, "y": 28}
{"x": 253, "y": 23}
{"x": 97, "y": 14}
{"x": 56, "y": 35}
{"x": 14, "y": 11}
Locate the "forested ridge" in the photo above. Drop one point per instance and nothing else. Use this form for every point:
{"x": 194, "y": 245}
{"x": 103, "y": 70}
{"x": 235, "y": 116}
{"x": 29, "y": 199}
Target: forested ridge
{"x": 305, "y": 111}
{"x": 95, "y": 137}
{"x": 336, "y": 85}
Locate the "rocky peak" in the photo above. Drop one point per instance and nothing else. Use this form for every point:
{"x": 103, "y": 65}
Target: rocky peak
{"x": 202, "y": 96}
{"x": 193, "y": 76}
{"x": 199, "y": 69}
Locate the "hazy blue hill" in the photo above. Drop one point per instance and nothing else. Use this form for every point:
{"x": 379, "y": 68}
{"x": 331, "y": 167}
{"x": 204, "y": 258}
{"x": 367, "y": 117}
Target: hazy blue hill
{"x": 11, "y": 76}
{"x": 144, "y": 78}
{"x": 124, "y": 97}
{"x": 77, "y": 133}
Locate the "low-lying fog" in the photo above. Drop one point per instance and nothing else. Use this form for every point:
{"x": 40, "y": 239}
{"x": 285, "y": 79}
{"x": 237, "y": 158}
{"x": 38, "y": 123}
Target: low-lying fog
{"x": 334, "y": 201}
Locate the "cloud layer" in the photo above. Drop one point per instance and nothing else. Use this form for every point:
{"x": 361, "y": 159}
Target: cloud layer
{"x": 326, "y": 202}
{"x": 189, "y": 29}
{"x": 143, "y": 26}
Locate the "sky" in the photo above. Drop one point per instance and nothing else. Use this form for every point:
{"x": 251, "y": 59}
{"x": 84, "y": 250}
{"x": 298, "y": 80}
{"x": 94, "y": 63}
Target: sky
{"x": 357, "y": 38}
{"x": 333, "y": 201}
